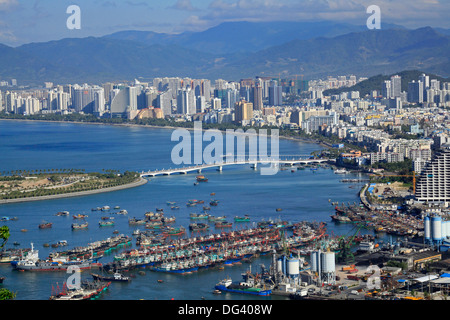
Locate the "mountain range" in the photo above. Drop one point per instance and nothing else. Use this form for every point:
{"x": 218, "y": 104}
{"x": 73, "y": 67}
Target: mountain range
{"x": 231, "y": 51}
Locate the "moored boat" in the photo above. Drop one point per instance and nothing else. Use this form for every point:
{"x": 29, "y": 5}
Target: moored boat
{"x": 80, "y": 225}
{"x": 201, "y": 178}
{"x": 115, "y": 277}
{"x": 45, "y": 225}
{"x": 241, "y": 287}
{"x": 245, "y": 218}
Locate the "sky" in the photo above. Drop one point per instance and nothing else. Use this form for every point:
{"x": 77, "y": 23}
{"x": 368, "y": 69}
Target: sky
{"x": 25, "y": 21}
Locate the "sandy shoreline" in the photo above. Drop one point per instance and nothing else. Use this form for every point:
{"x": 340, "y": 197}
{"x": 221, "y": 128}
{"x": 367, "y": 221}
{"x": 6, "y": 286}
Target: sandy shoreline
{"x": 134, "y": 184}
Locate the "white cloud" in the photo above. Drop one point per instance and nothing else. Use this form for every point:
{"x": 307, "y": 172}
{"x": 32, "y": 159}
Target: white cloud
{"x": 7, "y": 4}
{"x": 184, "y": 5}
{"x": 413, "y": 13}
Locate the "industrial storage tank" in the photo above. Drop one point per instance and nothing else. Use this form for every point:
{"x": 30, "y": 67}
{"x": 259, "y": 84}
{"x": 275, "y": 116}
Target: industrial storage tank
{"x": 427, "y": 228}
{"x": 448, "y": 228}
{"x": 279, "y": 265}
{"x": 436, "y": 228}
{"x": 444, "y": 229}
{"x": 293, "y": 268}
{"x": 315, "y": 261}
{"x": 328, "y": 262}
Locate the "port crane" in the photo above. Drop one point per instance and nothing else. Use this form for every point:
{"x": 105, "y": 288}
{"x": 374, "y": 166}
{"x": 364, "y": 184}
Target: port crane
{"x": 344, "y": 253}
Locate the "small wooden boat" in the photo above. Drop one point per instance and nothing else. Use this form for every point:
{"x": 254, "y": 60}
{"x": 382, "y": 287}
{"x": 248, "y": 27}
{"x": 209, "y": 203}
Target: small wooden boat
{"x": 80, "y": 216}
{"x": 45, "y": 225}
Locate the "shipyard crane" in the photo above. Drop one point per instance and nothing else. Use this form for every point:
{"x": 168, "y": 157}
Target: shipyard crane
{"x": 413, "y": 175}
{"x": 344, "y": 253}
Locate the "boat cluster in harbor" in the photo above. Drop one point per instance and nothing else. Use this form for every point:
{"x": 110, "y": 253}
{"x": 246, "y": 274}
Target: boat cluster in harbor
{"x": 388, "y": 221}
{"x": 186, "y": 255}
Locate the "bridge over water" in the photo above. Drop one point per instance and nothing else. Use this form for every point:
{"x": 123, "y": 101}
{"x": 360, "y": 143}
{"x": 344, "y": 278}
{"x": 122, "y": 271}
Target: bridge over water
{"x": 254, "y": 162}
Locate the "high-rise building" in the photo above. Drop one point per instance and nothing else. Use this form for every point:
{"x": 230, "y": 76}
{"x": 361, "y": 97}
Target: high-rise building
{"x": 433, "y": 183}
{"x": 275, "y": 94}
{"x": 1, "y": 102}
{"x": 243, "y": 111}
{"x": 386, "y": 89}
{"x": 186, "y": 101}
{"x": 415, "y": 91}
{"x": 164, "y": 102}
{"x": 99, "y": 102}
{"x": 83, "y": 98}
{"x": 396, "y": 86}
{"x": 258, "y": 95}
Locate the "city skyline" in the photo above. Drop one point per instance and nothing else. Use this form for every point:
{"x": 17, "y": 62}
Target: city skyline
{"x": 44, "y": 20}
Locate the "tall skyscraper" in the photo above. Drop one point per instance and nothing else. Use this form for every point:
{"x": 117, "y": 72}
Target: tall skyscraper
{"x": 396, "y": 86}
{"x": 386, "y": 89}
{"x": 433, "y": 184}
{"x": 186, "y": 101}
{"x": 275, "y": 94}
{"x": 243, "y": 111}
{"x": 257, "y": 95}
{"x": 415, "y": 91}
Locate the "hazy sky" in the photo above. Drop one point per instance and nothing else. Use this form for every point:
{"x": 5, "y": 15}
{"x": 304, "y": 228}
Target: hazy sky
{"x": 24, "y": 21}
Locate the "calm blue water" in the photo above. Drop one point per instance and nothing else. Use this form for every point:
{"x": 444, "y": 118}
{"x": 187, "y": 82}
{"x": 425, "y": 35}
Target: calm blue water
{"x": 303, "y": 195}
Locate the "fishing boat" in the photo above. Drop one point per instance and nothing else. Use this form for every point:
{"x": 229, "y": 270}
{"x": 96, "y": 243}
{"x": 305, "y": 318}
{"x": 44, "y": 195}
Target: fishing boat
{"x": 32, "y": 263}
{"x": 199, "y": 216}
{"x": 87, "y": 290}
{"x": 202, "y": 178}
{"x": 62, "y": 214}
{"x": 198, "y": 226}
{"x": 245, "y": 218}
{"x": 106, "y": 223}
{"x": 172, "y": 231}
{"x": 134, "y": 221}
{"x": 244, "y": 287}
{"x": 166, "y": 220}
{"x": 76, "y": 226}
{"x": 45, "y": 225}
{"x": 213, "y": 218}
{"x": 80, "y": 216}
{"x": 115, "y": 277}
{"x": 153, "y": 225}
{"x": 340, "y": 219}
{"x": 214, "y": 202}
{"x": 223, "y": 224}
{"x": 174, "y": 207}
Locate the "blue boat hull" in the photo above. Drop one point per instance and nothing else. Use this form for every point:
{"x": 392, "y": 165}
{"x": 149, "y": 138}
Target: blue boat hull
{"x": 255, "y": 293}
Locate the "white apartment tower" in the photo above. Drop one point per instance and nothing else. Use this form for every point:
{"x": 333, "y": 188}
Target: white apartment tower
{"x": 433, "y": 183}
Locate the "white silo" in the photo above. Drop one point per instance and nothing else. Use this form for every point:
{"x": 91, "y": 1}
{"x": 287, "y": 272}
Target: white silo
{"x": 444, "y": 229}
{"x": 328, "y": 263}
{"x": 427, "y": 229}
{"x": 436, "y": 229}
{"x": 293, "y": 268}
{"x": 448, "y": 228}
{"x": 315, "y": 261}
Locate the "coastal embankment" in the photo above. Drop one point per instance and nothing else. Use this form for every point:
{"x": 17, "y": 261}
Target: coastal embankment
{"x": 133, "y": 184}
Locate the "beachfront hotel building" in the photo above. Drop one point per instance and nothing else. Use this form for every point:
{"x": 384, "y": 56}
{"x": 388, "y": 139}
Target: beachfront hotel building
{"x": 433, "y": 183}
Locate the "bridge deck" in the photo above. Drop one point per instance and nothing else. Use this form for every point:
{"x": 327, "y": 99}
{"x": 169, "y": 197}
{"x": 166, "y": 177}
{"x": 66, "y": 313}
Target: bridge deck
{"x": 219, "y": 165}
